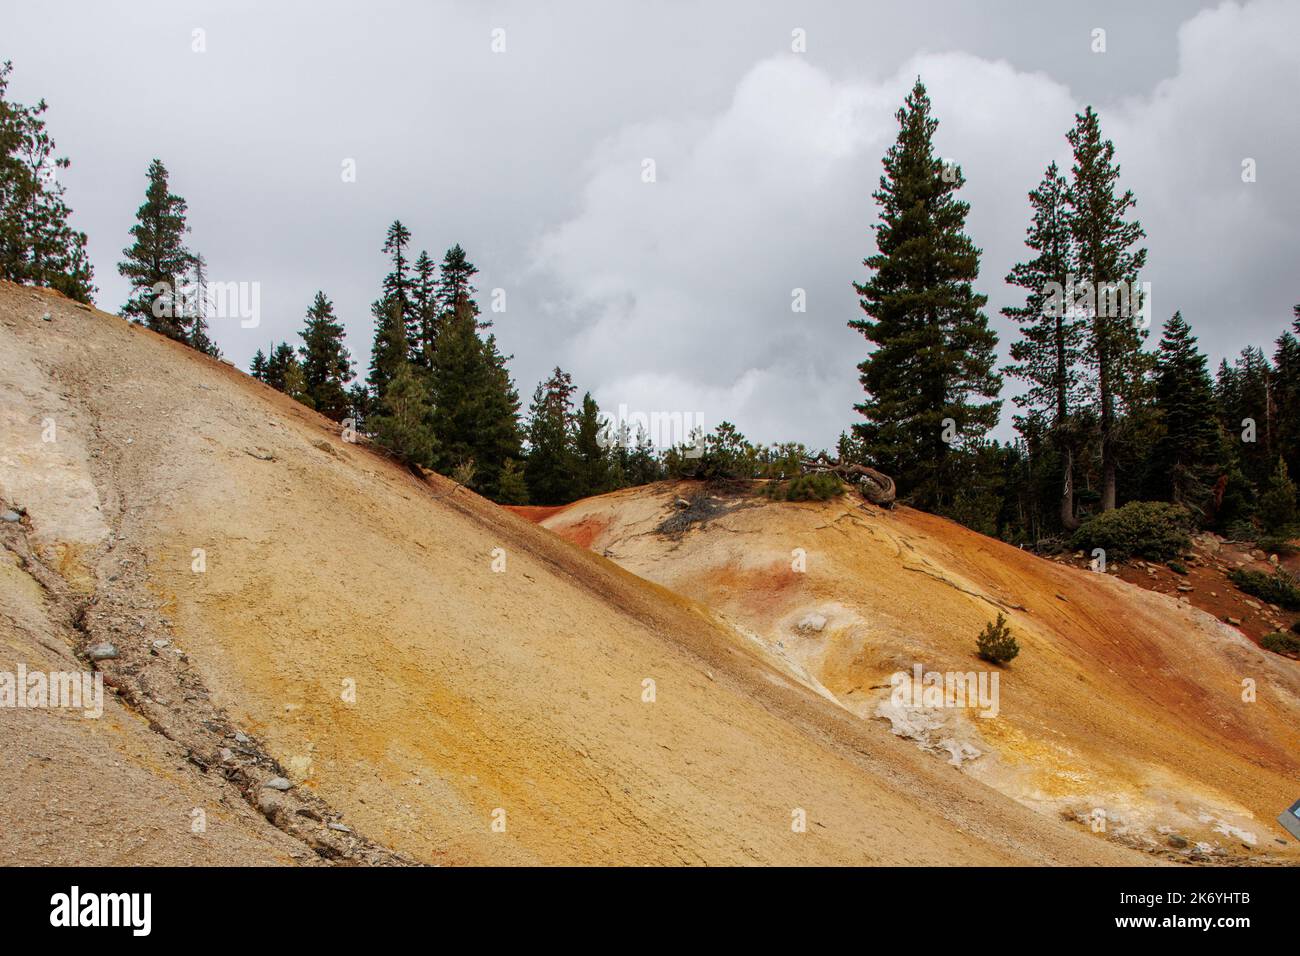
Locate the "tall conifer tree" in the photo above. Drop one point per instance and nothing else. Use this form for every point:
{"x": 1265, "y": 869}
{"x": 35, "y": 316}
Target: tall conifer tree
{"x": 1186, "y": 460}
{"x": 549, "y": 468}
{"x": 158, "y": 260}
{"x": 326, "y": 363}
{"x": 591, "y": 457}
{"x": 1048, "y": 353}
{"x": 1105, "y": 257}
{"x": 933, "y": 359}
{"x": 37, "y": 242}
{"x": 424, "y": 293}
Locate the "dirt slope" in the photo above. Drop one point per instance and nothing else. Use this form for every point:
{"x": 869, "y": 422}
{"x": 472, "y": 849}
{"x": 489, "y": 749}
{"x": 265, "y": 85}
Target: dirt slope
{"x": 285, "y": 602}
{"x": 1124, "y": 705}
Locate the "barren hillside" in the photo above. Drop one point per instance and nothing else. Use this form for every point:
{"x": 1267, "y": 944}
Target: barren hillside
{"x": 1124, "y": 705}
{"x": 292, "y": 609}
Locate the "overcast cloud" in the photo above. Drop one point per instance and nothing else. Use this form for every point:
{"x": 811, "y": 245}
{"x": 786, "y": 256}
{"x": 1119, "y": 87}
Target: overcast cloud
{"x": 676, "y": 294}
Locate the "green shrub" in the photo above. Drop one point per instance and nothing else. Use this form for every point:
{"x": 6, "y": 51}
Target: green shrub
{"x": 1278, "y": 588}
{"x": 1178, "y": 568}
{"x": 814, "y": 487}
{"x": 1281, "y": 643}
{"x": 1154, "y": 530}
{"x": 995, "y": 643}
{"x": 1279, "y": 546}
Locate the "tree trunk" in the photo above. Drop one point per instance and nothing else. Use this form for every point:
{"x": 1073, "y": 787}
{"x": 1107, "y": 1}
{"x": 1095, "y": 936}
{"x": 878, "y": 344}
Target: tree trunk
{"x": 1105, "y": 388}
{"x": 1068, "y": 521}
{"x": 1107, "y": 473}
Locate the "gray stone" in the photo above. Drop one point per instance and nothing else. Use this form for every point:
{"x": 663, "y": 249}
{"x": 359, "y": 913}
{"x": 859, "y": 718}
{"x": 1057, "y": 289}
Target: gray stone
{"x": 279, "y": 783}
{"x": 11, "y": 516}
{"x": 101, "y": 652}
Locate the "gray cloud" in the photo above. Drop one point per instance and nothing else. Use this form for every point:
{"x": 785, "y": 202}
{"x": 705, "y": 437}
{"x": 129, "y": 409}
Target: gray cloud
{"x": 674, "y": 295}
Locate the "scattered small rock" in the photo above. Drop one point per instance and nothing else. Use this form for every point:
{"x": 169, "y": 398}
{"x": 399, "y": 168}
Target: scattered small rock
{"x": 812, "y": 623}
{"x": 11, "y": 516}
{"x": 279, "y": 783}
{"x": 101, "y": 652}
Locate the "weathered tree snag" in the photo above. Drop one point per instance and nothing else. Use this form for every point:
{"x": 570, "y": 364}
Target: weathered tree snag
{"x": 875, "y": 486}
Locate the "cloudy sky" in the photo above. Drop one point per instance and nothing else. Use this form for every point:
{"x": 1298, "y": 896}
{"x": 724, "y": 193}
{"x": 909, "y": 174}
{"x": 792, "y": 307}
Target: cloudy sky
{"x": 673, "y": 295}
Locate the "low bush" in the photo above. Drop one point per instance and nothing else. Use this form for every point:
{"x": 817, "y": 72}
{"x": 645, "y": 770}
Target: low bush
{"x": 1155, "y": 530}
{"x": 995, "y": 643}
{"x": 1281, "y": 643}
{"x": 820, "y": 486}
{"x": 1279, "y": 546}
{"x": 1278, "y": 588}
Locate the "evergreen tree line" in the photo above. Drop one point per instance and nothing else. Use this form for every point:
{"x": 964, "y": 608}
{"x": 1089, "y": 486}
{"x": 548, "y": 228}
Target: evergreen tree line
{"x": 438, "y": 393}
{"x": 37, "y": 244}
{"x": 1101, "y": 420}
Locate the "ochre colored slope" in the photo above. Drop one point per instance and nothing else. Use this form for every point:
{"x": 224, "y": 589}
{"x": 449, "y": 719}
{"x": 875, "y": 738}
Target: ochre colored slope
{"x": 1124, "y": 705}
{"x": 346, "y": 613}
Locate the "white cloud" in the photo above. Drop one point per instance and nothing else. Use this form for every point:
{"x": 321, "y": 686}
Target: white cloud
{"x": 676, "y": 295}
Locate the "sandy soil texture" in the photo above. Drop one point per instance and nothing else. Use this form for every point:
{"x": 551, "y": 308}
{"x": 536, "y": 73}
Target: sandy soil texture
{"x": 1125, "y": 706}
{"x": 437, "y": 680}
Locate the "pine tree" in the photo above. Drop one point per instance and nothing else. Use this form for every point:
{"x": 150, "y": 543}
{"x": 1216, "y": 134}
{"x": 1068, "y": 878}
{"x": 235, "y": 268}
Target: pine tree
{"x": 643, "y": 465}
{"x": 403, "y": 425}
{"x": 1277, "y": 505}
{"x": 1245, "y": 394}
{"x": 512, "y": 488}
{"x": 500, "y": 437}
{"x": 424, "y": 293}
{"x": 1049, "y": 351}
{"x": 158, "y": 259}
{"x": 1187, "y": 458}
{"x": 394, "y": 315}
{"x": 398, "y": 284}
{"x": 258, "y": 367}
{"x": 295, "y": 384}
{"x": 476, "y": 408}
{"x": 591, "y": 458}
{"x": 37, "y": 242}
{"x": 391, "y": 349}
{"x": 326, "y": 363}
{"x": 198, "y": 310}
{"x": 1104, "y": 258}
{"x": 550, "y": 466}
{"x": 934, "y": 355}
{"x": 278, "y": 367}
{"x": 454, "y": 282}
{"x": 360, "y": 405}
{"x": 1286, "y": 393}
